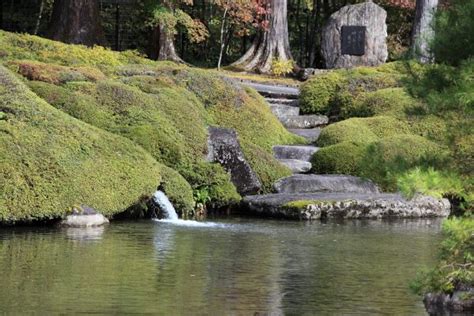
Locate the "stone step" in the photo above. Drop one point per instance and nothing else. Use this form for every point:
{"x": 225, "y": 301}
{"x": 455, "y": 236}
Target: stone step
{"x": 305, "y": 121}
{"x": 344, "y": 206}
{"x": 297, "y": 166}
{"x": 314, "y": 183}
{"x": 283, "y": 111}
{"x": 303, "y": 153}
{"x": 290, "y": 102}
{"x": 311, "y": 134}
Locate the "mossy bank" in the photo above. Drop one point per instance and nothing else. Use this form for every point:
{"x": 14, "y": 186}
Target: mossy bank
{"x": 88, "y": 126}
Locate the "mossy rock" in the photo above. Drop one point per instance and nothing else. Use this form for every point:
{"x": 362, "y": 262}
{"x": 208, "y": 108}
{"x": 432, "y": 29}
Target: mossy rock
{"x": 362, "y": 130}
{"x": 51, "y": 162}
{"x": 341, "y": 158}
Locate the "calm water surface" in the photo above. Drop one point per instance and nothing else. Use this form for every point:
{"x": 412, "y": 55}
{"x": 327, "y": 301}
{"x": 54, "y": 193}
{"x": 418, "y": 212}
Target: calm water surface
{"x": 236, "y": 266}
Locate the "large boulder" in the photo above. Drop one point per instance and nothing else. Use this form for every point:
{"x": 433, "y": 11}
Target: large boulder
{"x": 224, "y": 148}
{"x": 344, "y": 42}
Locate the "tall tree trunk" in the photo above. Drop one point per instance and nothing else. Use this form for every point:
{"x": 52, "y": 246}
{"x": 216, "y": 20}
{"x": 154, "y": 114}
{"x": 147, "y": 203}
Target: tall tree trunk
{"x": 269, "y": 44}
{"x": 221, "y": 53}
{"x": 162, "y": 45}
{"x": 76, "y": 22}
{"x": 423, "y": 32}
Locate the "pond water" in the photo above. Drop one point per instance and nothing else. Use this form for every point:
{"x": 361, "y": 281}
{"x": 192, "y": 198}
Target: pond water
{"x": 233, "y": 266}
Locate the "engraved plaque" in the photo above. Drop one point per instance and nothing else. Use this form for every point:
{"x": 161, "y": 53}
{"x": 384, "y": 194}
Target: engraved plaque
{"x": 353, "y": 40}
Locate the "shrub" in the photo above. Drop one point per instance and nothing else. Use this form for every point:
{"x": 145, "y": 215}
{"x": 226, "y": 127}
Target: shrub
{"x": 454, "y": 29}
{"x": 430, "y": 182}
{"x": 389, "y": 156}
{"x": 454, "y": 270}
{"x": 282, "y": 67}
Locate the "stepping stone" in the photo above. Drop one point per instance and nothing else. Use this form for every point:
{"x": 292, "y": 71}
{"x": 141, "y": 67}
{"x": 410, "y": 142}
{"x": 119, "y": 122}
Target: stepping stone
{"x": 314, "y": 183}
{"x": 305, "y": 121}
{"x": 290, "y": 102}
{"x": 345, "y": 206}
{"x": 294, "y": 152}
{"x": 283, "y": 111}
{"x": 297, "y": 166}
{"x": 311, "y": 134}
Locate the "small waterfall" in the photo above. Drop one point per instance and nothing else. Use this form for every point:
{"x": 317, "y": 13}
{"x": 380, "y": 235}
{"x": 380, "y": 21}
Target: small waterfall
{"x": 165, "y": 205}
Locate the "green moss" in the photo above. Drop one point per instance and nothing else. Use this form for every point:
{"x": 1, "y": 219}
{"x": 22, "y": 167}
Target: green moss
{"x": 390, "y": 101}
{"x": 50, "y": 162}
{"x": 318, "y": 92}
{"x": 333, "y": 93}
{"x": 27, "y": 47}
{"x": 362, "y": 130}
{"x": 341, "y": 158}
{"x": 386, "y": 158}
{"x": 430, "y": 126}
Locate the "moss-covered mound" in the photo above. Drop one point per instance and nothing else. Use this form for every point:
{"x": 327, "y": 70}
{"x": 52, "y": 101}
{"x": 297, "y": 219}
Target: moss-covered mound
{"x": 50, "y": 162}
{"x": 334, "y": 93}
{"x": 162, "y": 107}
{"x": 379, "y": 160}
{"x": 362, "y": 130}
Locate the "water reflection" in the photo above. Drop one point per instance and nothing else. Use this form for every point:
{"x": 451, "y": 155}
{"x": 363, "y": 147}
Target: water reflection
{"x": 85, "y": 234}
{"x": 238, "y": 267}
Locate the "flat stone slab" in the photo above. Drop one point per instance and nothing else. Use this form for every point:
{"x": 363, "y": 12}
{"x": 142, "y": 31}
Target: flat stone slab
{"x": 344, "y": 206}
{"x": 297, "y": 166}
{"x": 283, "y": 111}
{"x": 274, "y": 91}
{"x": 311, "y": 134}
{"x": 313, "y": 183}
{"x": 294, "y": 152}
{"x": 305, "y": 121}
{"x": 290, "y": 102}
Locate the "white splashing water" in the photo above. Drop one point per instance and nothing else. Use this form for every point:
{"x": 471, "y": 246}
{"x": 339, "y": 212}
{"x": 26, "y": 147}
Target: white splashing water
{"x": 165, "y": 205}
{"x": 169, "y": 211}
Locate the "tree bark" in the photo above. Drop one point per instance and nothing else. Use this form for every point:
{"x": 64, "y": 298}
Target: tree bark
{"x": 269, "y": 44}
{"x": 76, "y": 22}
{"x": 162, "y": 45}
{"x": 423, "y": 32}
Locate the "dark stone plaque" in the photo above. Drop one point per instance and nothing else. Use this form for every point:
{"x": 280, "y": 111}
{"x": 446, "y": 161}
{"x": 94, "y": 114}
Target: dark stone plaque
{"x": 353, "y": 40}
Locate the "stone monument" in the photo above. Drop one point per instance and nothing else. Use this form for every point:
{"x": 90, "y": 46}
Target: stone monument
{"x": 355, "y": 36}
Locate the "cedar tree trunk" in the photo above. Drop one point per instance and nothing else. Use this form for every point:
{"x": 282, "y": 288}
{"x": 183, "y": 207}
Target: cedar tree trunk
{"x": 272, "y": 43}
{"x": 76, "y": 22}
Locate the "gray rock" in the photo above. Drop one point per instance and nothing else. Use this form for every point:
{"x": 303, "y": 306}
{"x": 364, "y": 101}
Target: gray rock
{"x": 345, "y": 206}
{"x": 297, "y": 166}
{"x": 283, "y": 111}
{"x": 84, "y": 216}
{"x": 273, "y": 91}
{"x": 294, "y": 152}
{"x": 366, "y": 14}
{"x": 290, "y": 102}
{"x": 311, "y": 134}
{"x": 312, "y": 183}
{"x": 448, "y": 304}
{"x": 305, "y": 73}
{"x": 224, "y": 148}
{"x": 304, "y": 121}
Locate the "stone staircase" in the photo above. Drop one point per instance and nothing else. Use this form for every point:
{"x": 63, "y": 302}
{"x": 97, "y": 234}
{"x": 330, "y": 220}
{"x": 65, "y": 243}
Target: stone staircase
{"x": 336, "y": 195}
{"x": 285, "y": 106}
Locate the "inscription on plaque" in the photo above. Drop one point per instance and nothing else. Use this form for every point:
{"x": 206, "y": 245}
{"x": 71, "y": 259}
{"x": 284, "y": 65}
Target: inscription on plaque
{"x": 353, "y": 40}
